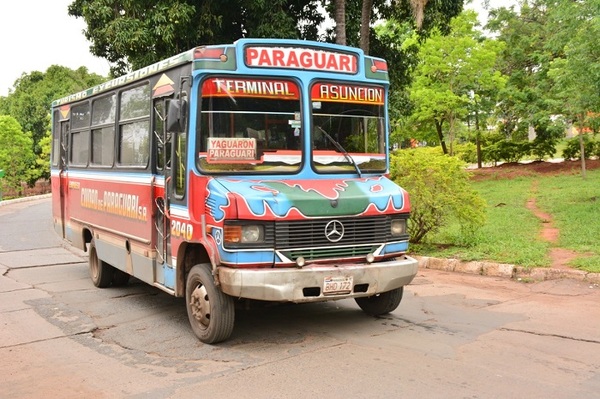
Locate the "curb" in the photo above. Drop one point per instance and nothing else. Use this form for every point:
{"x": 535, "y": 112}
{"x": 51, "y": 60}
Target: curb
{"x": 505, "y": 270}
{"x": 25, "y": 199}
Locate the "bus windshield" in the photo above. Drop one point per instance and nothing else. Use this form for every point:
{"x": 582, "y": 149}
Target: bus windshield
{"x": 249, "y": 125}
{"x": 348, "y": 128}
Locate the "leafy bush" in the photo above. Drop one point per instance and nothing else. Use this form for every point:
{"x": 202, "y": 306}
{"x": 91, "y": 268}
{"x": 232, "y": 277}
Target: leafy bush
{"x": 492, "y": 153}
{"x": 509, "y": 151}
{"x": 439, "y": 189}
{"x": 466, "y": 152}
{"x": 596, "y": 151}
{"x": 541, "y": 148}
{"x": 514, "y": 151}
{"x": 16, "y": 153}
{"x": 573, "y": 150}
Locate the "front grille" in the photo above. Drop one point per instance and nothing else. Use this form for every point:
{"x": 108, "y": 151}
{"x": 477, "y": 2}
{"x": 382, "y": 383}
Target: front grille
{"x": 330, "y": 253}
{"x": 311, "y": 233}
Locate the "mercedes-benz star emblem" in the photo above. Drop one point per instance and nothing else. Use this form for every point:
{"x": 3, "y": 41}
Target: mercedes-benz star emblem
{"x": 334, "y": 230}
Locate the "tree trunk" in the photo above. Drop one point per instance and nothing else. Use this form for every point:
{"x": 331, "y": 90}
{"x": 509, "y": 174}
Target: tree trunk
{"x": 365, "y": 25}
{"x": 581, "y": 144}
{"x": 438, "y": 128}
{"x": 418, "y": 8}
{"x": 340, "y": 21}
{"x": 478, "y": 139}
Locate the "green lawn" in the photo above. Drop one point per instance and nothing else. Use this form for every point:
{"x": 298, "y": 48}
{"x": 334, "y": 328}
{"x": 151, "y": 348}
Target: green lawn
{"x": 512, "y": 233}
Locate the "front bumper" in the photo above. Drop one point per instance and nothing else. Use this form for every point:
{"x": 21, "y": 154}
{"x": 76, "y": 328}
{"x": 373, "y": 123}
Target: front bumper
{"x": 305, "y": 284}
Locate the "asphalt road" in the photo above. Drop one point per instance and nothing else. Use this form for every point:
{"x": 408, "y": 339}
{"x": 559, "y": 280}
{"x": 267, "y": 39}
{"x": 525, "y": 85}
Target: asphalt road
{"x": 454, "y": 336}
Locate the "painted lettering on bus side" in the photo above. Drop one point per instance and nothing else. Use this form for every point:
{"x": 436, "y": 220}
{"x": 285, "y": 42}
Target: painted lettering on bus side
{"x": 301, "y": 58}
{"x": 182, "y": 229}
{"x": 120, "y": 204}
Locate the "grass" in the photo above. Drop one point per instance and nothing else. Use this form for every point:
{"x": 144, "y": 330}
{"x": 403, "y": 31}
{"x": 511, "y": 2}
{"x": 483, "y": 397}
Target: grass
{"x": 512, "y": 232}
{"x": 574, "y": 204}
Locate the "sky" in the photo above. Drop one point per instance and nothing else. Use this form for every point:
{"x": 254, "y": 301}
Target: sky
{"x": 35, "y": 34}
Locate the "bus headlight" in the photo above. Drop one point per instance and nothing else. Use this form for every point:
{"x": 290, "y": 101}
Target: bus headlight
{"x": 398, "y": 227}
{"x": 252, "y": 233}
{"x": 244, "y": 234}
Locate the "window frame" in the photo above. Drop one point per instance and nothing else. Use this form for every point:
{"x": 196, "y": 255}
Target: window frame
{"x": 199, "y": 135}
{"x": 84, "y": 131}
{"x": 110, "y": 124}
{"x": 121, "y": 123}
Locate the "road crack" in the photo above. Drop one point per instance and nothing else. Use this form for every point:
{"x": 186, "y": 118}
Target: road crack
{"x": 591, "y": 341}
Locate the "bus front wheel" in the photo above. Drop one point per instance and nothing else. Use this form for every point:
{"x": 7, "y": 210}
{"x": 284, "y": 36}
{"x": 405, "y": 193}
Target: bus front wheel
{"x": 211, "y": 312}
{"x": 100, "y": 271}
{"x": 381, "y": 304}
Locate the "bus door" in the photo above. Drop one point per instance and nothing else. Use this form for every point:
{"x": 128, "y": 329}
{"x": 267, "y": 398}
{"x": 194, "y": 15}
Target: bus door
{"x": 162, "y": 192}
{"x": 63, "y": 175}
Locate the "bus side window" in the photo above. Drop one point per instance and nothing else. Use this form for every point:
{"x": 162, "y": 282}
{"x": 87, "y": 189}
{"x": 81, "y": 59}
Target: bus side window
{"x": 181, "y": 157}
{"x": 163, "y": 143}
{"x": 56, "y": 138}
{"x": 103, "y": 130}
{"x": 134, "y": 127}
{"x": 80, "y": 131}
{"x": 177, "y": 121}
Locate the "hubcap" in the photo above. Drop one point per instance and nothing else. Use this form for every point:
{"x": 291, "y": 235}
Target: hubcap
{"x": 94, "y": 268}
{"x": 200, "y": 305}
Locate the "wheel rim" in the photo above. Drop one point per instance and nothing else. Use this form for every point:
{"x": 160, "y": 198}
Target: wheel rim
{"x": 94, "y": 266}
{"x": 200, "y": 305}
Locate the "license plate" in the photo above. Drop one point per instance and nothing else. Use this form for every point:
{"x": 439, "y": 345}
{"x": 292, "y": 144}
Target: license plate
{"x": 337, "y": 285}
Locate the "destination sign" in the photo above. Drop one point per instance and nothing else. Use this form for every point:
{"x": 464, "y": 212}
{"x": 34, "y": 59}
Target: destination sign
{"x": 301, "y": 58}
{"x": 347, "y": 93}
{"x": 226, "y": 87}
{"x": 231, "y": 149}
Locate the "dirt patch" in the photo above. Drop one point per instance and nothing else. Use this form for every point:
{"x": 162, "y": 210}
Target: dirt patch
{"x": 560, "y": 257}
{"x": 536, "y": 168}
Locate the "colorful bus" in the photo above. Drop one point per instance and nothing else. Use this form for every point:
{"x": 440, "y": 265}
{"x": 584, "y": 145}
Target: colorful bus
{"x": 256, "y": 170}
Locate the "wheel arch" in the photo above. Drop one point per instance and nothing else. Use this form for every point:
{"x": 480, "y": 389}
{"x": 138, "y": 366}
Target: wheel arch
{"x": 189, "y": 255}
{"x": 87, "y": 236}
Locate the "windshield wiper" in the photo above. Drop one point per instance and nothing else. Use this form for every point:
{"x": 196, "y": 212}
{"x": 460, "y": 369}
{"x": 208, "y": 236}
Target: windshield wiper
{"x": 341, "y": 149}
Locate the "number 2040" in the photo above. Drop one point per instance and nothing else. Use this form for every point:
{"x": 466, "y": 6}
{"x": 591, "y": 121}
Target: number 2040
{"x": 182, "y": 229}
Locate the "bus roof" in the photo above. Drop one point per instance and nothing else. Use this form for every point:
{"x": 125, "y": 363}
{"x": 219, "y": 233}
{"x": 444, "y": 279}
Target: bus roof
{"x": 224, "y": 57}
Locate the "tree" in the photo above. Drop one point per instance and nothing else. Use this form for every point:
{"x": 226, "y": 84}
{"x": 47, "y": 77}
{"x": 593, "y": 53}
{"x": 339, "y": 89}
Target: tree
{"x": 32, "y": 95}
{"x": 532, "y": 41}
{"x": 133, "y": 34}
{"x": 16, "y": 154}
{"x": 29, "y": 101}
{"x": 577, "y": 73}
{"x": 455, "y": 74}
{"x": 340, "y": 21}
{"x": 424, "y": 15}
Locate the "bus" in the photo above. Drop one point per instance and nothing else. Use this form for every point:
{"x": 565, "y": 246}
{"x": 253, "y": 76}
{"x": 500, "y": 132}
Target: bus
{"x": 252, "y": 171}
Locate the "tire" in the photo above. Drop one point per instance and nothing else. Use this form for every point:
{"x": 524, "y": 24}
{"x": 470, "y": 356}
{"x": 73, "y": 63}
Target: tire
{"x": 101, "y": 272}
{"x": 210, "y": 311}
{"x": 120, "y": 278}
{"x": 381, "y": 304}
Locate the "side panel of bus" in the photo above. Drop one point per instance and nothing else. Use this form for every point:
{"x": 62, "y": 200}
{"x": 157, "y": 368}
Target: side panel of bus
{"x": 110, "y": 165}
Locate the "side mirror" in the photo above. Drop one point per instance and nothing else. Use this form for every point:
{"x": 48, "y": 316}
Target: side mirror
{"x": 177, "y": 115}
